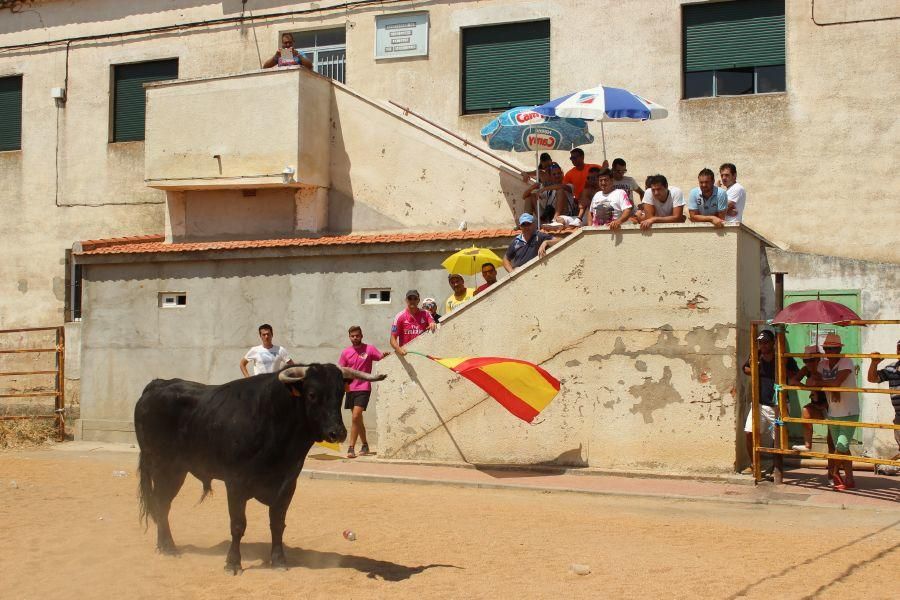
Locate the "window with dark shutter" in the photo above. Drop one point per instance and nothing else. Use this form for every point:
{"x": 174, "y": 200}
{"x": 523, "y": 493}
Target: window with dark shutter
{"x": 129, "y": 101}
{"x": 11, "y": 113}
{"x": 505, "y": 66}
{"x": 734, "y": 48}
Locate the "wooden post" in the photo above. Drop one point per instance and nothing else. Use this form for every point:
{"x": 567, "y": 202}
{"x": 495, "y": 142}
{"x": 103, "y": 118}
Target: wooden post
{"x": 61, "y": 381}
{"x": 780, "y": 430}
{"x": 754, "y": 399}
{"x": 778, "y": 459}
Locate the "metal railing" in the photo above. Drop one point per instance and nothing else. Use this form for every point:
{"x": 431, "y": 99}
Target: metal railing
{"x": 331, "y": 63}
{"x": 782, "y": 445}
{"x": 59, "y": 393}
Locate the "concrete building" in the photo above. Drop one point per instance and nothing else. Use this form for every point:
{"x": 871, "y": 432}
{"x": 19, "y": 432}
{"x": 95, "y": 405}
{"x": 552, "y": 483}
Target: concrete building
{"x": 212, "y": 150}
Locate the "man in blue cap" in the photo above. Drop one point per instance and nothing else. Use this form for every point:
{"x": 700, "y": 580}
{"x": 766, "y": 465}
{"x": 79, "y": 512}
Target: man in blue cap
{"x": 527, "y": 245}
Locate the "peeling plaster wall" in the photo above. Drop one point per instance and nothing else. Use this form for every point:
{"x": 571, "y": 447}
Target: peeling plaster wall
{"x": 646, "y": 351}
{"x": 879, "y": 294}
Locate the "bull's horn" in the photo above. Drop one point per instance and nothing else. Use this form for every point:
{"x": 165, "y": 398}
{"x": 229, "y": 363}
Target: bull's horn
{"x": 354, "y": 374}
{"x": 292, "y": 375}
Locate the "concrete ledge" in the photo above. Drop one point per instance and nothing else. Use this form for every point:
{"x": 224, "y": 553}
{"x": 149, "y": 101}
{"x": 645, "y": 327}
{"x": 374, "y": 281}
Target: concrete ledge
{"x": 732, "y": 478}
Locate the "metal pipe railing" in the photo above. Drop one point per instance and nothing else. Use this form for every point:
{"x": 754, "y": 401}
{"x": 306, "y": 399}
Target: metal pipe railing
{"x": 453, "y": 134}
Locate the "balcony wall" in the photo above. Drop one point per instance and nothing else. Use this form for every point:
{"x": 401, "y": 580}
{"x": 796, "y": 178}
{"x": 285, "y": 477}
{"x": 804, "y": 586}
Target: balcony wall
{"x": 238, "y": 130}
{"x": 646, "y": 331}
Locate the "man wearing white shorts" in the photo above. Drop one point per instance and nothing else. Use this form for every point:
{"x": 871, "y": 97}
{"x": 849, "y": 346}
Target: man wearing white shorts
{"x": 768, "y": 410}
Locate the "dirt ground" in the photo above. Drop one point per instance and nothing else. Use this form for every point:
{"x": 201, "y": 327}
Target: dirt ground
{"x": 69, "y": 529}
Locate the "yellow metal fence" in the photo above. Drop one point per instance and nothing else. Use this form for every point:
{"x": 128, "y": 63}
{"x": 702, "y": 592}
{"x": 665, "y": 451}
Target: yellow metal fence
{"x": 782, "y": 445}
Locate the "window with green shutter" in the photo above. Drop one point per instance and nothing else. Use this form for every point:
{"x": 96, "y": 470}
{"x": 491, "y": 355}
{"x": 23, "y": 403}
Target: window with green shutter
{"x": 129, "y": 101}
{"x": 505, "y": 66}
{"x": 733, "y": 48}
{"x": 11, "y": 113}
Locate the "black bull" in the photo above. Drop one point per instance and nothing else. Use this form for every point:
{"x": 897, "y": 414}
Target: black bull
{"x": 253, "y": 434}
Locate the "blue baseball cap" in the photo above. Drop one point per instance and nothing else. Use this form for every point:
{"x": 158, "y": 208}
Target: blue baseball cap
{"x": 525, "y": 218}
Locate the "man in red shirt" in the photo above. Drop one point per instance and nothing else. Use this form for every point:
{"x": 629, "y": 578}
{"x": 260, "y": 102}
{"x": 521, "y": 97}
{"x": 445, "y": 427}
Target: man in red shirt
{"x": 410, "y": 323}
{"x": 577, "y": 175}
{"x": 489, "y": 272}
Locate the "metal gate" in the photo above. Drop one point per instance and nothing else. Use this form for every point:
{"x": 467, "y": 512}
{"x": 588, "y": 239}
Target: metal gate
{"x": 58, "y": 393}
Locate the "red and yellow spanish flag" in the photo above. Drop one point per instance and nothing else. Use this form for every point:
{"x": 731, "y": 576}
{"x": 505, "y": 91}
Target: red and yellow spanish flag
{"x": 523, "y": 388}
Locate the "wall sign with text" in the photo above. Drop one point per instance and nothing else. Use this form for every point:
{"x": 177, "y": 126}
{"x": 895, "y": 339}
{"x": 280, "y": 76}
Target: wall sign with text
{"x": 401, "y": 36}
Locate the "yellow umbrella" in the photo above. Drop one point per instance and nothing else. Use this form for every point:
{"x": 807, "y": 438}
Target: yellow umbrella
{"x": 470, "y": 261}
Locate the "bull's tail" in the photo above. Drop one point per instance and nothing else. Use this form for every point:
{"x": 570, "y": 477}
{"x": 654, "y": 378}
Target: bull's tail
{"x": 145, "y": 489}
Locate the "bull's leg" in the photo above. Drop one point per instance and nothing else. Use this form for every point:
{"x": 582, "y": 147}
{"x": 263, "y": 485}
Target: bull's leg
{"x": 166, "y": 486}
{"x": 277, "y": 514}
{"x": 237, "y": 510}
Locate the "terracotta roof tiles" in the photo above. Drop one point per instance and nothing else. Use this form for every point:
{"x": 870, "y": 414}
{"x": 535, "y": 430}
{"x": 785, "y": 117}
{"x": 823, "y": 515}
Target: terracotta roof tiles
{"x": 153, "y": 244}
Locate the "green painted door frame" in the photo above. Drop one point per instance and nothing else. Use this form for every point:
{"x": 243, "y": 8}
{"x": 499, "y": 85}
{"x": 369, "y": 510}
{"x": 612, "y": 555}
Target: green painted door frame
{"x": 800, "y": 336}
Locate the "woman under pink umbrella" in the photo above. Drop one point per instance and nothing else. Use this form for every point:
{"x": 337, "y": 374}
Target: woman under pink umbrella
{"x": 842, "y": 406}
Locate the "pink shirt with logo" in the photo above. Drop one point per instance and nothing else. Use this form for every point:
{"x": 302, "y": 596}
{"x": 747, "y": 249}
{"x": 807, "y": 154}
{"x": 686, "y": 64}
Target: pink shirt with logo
{"x": 360, "y": 358}
{"x": 408, "y": 327}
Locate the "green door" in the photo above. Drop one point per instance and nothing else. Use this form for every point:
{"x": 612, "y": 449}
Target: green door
{"x": 800, "y": 336}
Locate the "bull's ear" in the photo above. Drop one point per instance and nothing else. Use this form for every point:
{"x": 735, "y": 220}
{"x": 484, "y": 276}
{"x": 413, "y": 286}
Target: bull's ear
{"x": 292, "y": 374}
{"x": 354, "y": 374}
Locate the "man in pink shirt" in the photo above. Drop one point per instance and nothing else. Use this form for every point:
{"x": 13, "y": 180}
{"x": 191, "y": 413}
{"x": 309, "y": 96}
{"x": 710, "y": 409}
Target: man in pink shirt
{"x": 410, "y": 323}
{"x": 358, "y": 356}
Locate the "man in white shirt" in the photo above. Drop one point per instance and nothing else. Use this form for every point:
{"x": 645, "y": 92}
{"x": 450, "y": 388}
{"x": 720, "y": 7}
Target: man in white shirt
{"x": 737, "y": 195}
{"x": 267, "y": 357}
{"x": 609, "y": 206}
{"x": 662, "y": 204}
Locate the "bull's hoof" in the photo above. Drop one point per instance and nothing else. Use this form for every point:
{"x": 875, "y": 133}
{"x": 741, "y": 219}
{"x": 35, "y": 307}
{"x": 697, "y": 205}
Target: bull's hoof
{"x": 233, "y": 569}
{"x": 279, "y": 563}
{"x": 167, "y": 549}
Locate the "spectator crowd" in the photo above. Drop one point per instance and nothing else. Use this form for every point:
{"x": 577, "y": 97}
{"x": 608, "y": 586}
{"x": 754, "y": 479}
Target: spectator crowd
{"x": 600, "y": 195}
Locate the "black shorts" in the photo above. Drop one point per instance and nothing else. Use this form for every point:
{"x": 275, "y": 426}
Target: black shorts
{"x": 358, "y": 398}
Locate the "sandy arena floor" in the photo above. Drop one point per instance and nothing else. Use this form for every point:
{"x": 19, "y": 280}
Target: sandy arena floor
{"x": 69, "y": 530}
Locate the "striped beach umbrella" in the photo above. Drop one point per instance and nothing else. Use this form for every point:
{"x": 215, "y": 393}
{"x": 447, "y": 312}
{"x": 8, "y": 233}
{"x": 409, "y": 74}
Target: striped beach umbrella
{"x": 602, "y": 103}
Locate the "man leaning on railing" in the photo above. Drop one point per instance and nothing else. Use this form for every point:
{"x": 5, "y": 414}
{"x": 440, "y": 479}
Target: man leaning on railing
{"x": 891, "y": 374}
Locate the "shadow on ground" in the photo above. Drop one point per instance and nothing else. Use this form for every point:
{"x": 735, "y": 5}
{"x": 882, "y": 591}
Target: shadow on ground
{"x": 791, "y": 568}
{"x": 867, "y": 485}
{"x": 501, "y": 472}
{"x": 314, "y": 559}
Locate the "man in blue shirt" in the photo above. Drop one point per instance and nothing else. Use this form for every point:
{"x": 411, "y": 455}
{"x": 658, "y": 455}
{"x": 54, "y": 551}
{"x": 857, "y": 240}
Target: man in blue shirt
{"x": 891, "y": 374}
{"x": 527, "y": 245}
{"x": 707, "y": 203}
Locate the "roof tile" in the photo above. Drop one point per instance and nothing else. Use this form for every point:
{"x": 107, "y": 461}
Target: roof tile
{"x": 154, "y": 244}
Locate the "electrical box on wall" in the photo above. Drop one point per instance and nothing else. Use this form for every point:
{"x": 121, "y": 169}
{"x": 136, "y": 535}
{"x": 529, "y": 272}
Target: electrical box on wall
{"x": 172, "y": 299}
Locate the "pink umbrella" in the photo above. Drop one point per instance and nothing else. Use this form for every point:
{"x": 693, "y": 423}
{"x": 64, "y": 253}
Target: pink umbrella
{"x": 815, "y": 312}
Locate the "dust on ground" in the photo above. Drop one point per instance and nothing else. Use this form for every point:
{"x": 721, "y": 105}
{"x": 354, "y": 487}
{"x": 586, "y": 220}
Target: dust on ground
{"x": 70, "y": 530}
